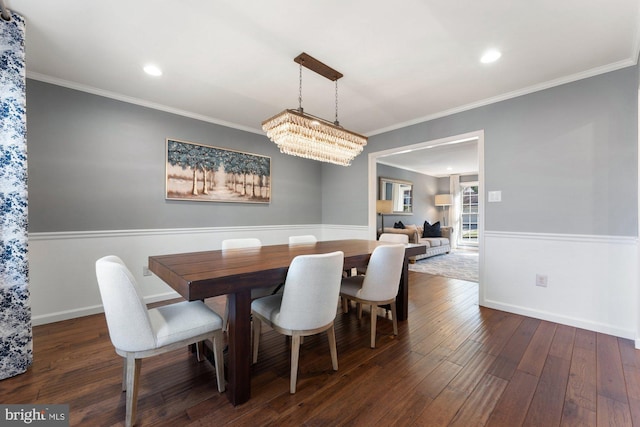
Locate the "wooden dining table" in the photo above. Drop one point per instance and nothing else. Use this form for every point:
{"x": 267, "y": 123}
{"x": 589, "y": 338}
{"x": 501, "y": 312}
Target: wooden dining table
{"x": 235, "y": 272}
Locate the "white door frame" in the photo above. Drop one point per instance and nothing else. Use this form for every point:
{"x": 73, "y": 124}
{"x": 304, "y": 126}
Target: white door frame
{"x": 372, "y": 181}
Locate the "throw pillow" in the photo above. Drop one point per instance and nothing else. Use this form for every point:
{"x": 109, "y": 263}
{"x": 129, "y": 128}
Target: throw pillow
{"x": 432, "y": 230}
{"x": 398, "y": 224}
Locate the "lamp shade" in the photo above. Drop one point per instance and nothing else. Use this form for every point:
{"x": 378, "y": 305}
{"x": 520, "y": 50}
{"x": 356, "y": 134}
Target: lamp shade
{"x": 443, "y": 200}
{"x": 384, "y": 206}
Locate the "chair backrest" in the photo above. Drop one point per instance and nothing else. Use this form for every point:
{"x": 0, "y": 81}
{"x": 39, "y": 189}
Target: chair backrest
{"x": 127, "y": 317}
{"x": 382, "y": 278}
{"x": 307, "y": 238}
{"x": 311, "y": 291}
{"x": 241, "y": 243}
{"x": 396, "y": 238}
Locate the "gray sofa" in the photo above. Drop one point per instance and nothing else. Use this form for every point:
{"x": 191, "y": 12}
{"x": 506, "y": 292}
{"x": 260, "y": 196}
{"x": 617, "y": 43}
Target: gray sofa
{"x": 435, "y": 245}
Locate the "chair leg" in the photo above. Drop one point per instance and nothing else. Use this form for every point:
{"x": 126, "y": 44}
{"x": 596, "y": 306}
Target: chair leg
{"x": 359, "y": 307}
{"x": 345, "y": 305}
{"x": 124, "y": 374}
{"x": 374, "y": 319}
{"x": 257, "y": 326}
{"x": 218, "y": 359}
{"x": 331, "y": 334}
{"x": 133, "y": 375}
{"x": 395, "y": 318}
{"x": 199, "y": 350}
{"x": 225, "y": 317}
{"x": 295, "y": 356}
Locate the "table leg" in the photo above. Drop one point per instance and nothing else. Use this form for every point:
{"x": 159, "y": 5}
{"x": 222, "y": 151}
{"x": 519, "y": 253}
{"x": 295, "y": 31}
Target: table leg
{"x": 239, "y": 355}
{"x": 402, "y": 299}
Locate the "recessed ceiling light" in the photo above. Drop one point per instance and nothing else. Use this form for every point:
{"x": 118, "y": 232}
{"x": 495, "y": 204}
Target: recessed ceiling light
{"x": 449, "y": 168}
{"x": 152, "y": 70}
{"x": 490, "y": 56}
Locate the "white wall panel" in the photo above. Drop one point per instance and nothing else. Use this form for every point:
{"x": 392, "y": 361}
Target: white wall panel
{"x": 62, "y": 265}
{"x": 592, "y": 280}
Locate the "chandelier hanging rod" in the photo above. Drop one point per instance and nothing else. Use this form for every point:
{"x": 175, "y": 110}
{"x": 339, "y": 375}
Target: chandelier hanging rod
{"x": 6, "y": 13}
{"x": 313, "y": 64}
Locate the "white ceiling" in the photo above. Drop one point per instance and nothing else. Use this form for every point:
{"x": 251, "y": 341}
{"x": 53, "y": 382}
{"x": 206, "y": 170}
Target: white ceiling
{"x": 456, "y": 157}
{"x": 231, "y": 62}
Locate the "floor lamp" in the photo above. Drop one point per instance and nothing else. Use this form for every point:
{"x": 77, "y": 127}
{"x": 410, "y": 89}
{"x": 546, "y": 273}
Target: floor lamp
{"x": 443, "y": 200}
{"x": 384, "y": 207}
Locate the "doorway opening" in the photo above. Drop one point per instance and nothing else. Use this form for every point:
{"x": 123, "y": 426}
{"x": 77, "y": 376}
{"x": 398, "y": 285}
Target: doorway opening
{"x": 478, "y": 221}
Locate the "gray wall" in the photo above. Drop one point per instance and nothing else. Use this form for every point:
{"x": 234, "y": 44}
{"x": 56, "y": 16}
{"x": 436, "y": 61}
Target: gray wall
{"x": 425, "y": 188}
{"x": 564, "y": 158}
{"x": 99, "y": 164}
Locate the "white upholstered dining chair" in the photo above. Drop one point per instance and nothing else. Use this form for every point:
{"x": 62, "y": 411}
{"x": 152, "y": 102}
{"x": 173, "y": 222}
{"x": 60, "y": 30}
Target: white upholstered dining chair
{"x": 306, "y": 307}
{"x": 394, "y": 238}
{"x": 306, "y": 238}
{"x": 137, "y": 332}
{"x": 250, "y": 242}
{"x": 379, "y": 285}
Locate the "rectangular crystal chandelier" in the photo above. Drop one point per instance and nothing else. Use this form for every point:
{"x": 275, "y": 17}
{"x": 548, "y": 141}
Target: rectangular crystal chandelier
{"x": 303, "y": 135}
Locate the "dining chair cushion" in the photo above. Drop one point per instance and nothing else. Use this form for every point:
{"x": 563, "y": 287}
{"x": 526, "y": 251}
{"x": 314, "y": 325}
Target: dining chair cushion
{"x": 179, "y": 321}
{"x": 352, "y": 285}
{"x": 268, "y": 306}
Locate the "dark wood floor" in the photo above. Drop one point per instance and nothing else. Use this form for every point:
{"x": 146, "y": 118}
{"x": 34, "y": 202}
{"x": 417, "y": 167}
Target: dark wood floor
{"x": 453, "y": 363}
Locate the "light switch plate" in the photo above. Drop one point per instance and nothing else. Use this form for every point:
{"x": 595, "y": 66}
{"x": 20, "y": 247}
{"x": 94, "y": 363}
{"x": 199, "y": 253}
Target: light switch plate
{"x": 495, "y": 196}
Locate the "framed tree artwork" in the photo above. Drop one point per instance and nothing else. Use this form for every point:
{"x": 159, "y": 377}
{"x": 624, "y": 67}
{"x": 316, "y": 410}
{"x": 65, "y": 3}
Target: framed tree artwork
{"x": 204, "y": 173}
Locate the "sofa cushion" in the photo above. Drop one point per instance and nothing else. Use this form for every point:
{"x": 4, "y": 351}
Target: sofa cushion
{"x": 433, "y": 241}
{"x": 430, "y": 230}
{"x": 398, "y": 224}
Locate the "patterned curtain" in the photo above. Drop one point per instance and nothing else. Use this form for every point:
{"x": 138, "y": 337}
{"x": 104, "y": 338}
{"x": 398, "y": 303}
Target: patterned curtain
{"x": 16, "y": 349}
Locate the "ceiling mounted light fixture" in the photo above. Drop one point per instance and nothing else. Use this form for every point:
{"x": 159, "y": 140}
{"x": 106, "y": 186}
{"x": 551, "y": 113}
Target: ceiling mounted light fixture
{"x": 300, "y": 134}
{"x": 490, "y": 56}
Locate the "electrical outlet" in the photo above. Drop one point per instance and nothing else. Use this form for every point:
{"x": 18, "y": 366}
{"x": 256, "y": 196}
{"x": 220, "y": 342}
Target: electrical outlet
{"x": 541, "y": 280}
{"x": 146, "y": 271}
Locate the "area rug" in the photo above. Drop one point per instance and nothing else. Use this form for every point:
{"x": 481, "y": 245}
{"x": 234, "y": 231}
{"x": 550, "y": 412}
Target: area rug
{"x": 457, "y": 265}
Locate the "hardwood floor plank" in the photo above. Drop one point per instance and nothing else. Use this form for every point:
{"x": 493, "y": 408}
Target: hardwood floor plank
{"x": 531, "y": 361}
{"x": 445, "y": 406}
{"x": 407, "y": 399}
{"x": 514, "y": 347}
{"x": 610, "y": 375}
{"x": 580, "y": 400}
{"x": 442, "y": 410}
{"x": 512, "y": 407}
{"x": 548, "y": 401}
{"x": 613, "y": 413}
{"x": 479, "y": 405}
{"x": 631, "y": 367}
{"x": 562, "y": 345}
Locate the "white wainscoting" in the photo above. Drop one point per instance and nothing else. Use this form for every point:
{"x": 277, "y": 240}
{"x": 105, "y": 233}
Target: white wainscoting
{"x": 592, "y": 280}
{"x": 62, "y": 265}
